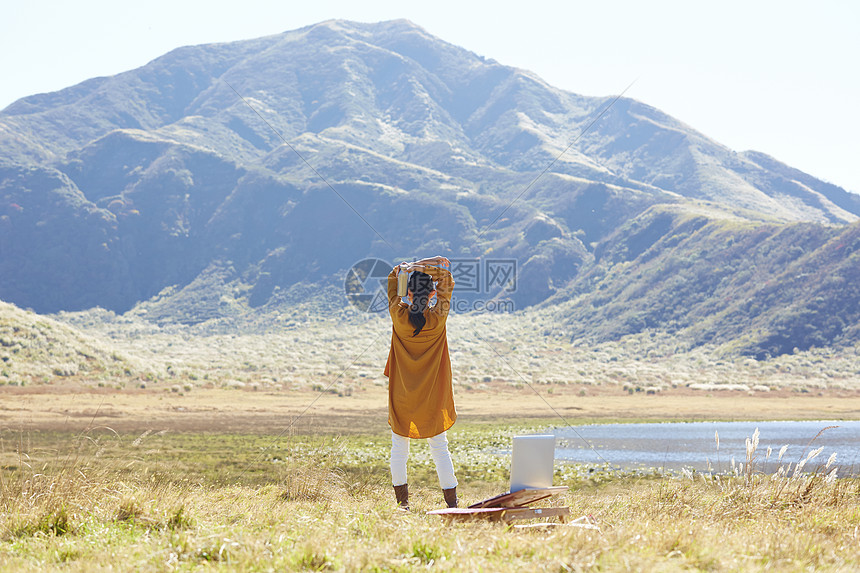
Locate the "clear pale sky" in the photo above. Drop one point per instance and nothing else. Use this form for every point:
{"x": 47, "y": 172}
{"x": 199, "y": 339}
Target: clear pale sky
{"x": 779, "y": 77}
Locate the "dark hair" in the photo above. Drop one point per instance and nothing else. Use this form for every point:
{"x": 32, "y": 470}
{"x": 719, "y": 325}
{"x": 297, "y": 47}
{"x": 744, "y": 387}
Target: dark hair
{"x": 421, "y": 285}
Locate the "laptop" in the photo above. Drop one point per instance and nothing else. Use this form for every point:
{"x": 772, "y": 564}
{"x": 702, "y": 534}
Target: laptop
{"x": 532, "y": 462}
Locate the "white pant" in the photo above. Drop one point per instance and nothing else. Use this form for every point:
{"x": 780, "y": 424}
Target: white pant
{"x": 439, "y": 451}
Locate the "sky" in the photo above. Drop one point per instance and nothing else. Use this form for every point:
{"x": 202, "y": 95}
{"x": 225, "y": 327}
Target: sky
{"x": 778, "y": 77}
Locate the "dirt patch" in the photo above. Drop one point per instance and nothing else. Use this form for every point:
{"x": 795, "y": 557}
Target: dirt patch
{"x": 366, "y": 410}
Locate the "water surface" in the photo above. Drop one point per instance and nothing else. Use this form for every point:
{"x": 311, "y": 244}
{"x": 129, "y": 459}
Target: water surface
{"x": 672, "y": 446}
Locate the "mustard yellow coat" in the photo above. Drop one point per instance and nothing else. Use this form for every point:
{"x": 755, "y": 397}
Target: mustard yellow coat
{"x": 420, "y": 394}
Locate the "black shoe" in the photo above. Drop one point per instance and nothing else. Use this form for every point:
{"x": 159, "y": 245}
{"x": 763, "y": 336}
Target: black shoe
{"x": 450, "y": 496}
{"x": 401, "y": 492}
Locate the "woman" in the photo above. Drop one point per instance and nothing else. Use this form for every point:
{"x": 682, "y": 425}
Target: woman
{"x": 420, "y": 396}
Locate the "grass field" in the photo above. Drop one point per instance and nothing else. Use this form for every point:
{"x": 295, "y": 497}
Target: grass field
{"x": 345, "y": 351}
{"x": 221, "y": 480}
{"x": 129, "y": 446}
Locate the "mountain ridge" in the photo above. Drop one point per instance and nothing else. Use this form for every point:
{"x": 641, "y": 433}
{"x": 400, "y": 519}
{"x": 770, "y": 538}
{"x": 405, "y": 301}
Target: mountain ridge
{"x": 254, "y": 157}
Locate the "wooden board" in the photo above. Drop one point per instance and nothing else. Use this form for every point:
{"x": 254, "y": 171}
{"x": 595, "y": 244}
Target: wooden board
{"x": 465, "y": 514}
{"x": 520, "y": 498}
{"x": 529, "y": 513}
{"x": 506, "y": 514}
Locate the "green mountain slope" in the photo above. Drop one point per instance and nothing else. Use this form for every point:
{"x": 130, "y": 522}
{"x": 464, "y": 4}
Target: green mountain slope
{"x": 760, "y": 289}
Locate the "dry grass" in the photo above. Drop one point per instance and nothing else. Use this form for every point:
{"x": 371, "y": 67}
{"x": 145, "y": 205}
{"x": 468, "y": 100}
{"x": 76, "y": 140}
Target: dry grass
{"x": 212, "y": 492}
{"x": 318, "y": 510}
{"x": 344, "y": 351}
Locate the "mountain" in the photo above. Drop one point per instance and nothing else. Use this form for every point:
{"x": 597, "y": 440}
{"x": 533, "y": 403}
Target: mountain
{"x": 226, "y": 174}
{"x": 39, "y": 348}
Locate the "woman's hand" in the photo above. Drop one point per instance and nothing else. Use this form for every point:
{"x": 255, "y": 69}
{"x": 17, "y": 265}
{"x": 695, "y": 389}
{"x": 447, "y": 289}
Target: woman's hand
{"x": 438, "y": 261}
{"x": 435, "y": 261}
{"x": 408, "y": 267}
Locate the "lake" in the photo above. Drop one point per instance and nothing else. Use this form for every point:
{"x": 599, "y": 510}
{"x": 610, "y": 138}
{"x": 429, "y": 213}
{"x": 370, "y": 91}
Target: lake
{"x": 673, "y": 446}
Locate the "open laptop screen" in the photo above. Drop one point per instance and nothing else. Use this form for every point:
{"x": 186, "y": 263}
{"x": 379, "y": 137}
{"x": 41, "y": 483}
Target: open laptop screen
{"x": 532, "y": 462}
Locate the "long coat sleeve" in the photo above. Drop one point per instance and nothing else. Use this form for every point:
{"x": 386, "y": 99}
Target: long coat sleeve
{"x": 420, "y": 393}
